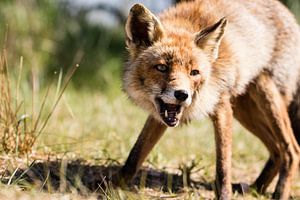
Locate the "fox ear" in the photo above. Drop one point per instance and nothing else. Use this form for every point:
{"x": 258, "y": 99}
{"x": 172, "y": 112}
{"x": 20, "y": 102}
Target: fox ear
{"x": 142, "y": 28}
{"x": 209, "y": 39}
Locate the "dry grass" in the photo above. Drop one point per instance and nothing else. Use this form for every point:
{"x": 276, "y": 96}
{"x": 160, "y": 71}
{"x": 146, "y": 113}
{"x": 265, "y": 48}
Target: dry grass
{"x": 15, "y": 136}
{"x": 19, "y": 132}
{"x": 100, "y": 132}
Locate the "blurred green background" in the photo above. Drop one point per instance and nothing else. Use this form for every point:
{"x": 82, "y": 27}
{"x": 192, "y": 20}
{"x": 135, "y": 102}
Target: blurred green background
{"x": 59, "y": 34}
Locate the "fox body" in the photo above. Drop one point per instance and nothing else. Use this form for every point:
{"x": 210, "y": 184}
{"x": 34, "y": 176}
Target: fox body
{"x": 221, "y": 59}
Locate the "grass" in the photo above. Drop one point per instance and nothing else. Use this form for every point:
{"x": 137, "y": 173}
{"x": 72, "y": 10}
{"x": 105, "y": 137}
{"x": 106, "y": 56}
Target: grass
{"x": 99, "y": 131}
{"x": 20, "y": 128}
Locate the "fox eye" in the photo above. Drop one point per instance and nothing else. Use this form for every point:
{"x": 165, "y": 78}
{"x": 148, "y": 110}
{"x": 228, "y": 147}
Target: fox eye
{"x": 194, "y": 72}
{"x": 161, "y": 68}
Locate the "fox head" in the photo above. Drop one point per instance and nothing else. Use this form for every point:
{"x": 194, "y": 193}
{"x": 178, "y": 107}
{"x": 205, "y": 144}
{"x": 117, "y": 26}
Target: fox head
{"x": 168, "y": 68}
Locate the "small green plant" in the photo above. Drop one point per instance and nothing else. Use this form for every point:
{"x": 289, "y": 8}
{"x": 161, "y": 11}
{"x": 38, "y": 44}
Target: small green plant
{"x": 19, "y": 132}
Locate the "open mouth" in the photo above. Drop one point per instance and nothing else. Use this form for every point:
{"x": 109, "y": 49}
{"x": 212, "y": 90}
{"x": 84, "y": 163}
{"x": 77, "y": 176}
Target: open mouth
{"x": 169, "y": 112}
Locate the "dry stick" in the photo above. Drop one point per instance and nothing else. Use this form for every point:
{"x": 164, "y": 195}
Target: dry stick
{"x": 12, "y": 176}
{"x": 33, "y": 95}
{"x": 25, "y": 171}
{"x": 68, "y": 107}
{"x": 58, "y": 83}
{"x": 2, "y": 80}
{"x": 2, "y": 68}
{"x": 62, "y": 176}
{"x": 17, "y": 99}
{"x": 7, "y": 89}
{"x": 19, "y": 81}
{"x": 59, "y": 97}
{"x": 3, "y": 115}
{"x": 5, "y": 64}
{"x": 6, "y": 94}
{"x": 46, "y": 181}
{"x": 44, "y": 102}
{"x": 19, "y": 107}
{"x": 41, "y": 109}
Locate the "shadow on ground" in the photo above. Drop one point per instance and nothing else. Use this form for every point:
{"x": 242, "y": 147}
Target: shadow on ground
{"x": 83, "y": 177}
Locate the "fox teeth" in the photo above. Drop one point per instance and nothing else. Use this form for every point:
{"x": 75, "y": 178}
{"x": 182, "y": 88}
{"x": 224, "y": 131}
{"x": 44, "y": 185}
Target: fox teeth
{"x": 166, "y": 113}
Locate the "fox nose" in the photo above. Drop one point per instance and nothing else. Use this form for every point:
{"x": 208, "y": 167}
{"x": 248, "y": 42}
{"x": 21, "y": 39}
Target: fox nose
{"x": 181, "y": 95}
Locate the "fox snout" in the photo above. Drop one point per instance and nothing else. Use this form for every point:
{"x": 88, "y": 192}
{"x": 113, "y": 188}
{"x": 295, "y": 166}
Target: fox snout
{"x": 176, "y": 96}
{"x": 181, "y": 95}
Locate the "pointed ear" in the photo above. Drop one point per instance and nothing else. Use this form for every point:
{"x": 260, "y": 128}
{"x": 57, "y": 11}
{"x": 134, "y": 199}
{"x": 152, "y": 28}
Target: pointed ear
{"x": 142, "y": 28}
{"x": 209, "y": 39}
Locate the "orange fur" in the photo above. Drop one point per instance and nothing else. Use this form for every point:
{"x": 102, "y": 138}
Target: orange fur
{"x": 218, "y": 58}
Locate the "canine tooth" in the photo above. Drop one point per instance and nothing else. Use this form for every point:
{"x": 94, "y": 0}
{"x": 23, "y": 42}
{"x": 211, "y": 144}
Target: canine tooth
{"x": 166, "y": 113}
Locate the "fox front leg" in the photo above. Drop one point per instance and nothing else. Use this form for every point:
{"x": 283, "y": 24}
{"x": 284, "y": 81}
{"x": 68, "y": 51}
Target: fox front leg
{"x": 151, "y": 133}
{"x": 222, "y": 121}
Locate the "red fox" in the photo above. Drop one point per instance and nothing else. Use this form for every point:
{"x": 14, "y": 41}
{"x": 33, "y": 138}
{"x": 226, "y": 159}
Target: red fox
{"x": 220, "y": 59}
